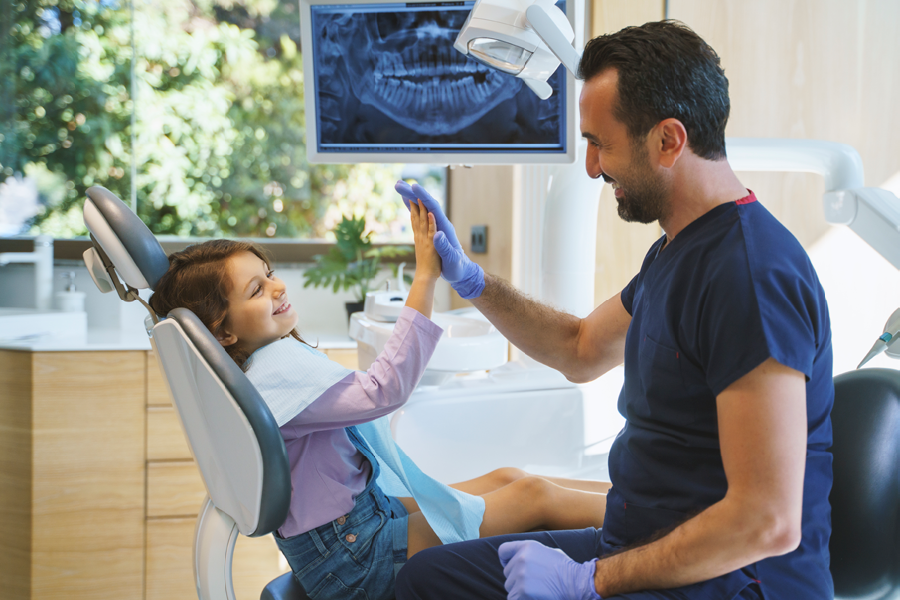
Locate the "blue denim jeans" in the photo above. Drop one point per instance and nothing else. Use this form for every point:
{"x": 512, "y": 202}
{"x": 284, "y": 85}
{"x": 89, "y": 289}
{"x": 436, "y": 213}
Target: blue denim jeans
{"x": 357, "y": 556}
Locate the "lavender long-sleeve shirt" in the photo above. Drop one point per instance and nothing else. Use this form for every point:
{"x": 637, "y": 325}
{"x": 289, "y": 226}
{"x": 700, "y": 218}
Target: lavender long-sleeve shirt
{"x": 327, "y": 471}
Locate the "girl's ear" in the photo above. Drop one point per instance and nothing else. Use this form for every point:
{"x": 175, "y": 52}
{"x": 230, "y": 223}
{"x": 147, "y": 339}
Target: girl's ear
{"x": 225, "y": 338}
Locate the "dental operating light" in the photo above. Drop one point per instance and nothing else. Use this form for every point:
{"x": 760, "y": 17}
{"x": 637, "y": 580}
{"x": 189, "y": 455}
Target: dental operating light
{"x": 525, "y": 38}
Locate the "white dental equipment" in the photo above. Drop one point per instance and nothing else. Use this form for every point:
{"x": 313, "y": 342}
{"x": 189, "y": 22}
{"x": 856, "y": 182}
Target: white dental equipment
{"x": 469, "y": 343}
{"x": 230, "y": 431}
{"x": 525, "y": 38}
{"x": 386, "y": 305}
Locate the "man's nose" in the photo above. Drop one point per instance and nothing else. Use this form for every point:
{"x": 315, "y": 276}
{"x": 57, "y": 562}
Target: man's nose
{"x": 592, "y": 163}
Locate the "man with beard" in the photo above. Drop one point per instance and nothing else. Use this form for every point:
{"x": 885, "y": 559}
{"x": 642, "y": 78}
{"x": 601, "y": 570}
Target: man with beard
{"x": 722, "y": 473}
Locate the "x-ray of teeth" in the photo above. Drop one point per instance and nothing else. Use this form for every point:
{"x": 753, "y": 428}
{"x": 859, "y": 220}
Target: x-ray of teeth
{"x": 389, "y": 75}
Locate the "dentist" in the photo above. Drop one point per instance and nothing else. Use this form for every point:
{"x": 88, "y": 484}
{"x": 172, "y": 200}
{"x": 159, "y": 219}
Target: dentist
{"x": 722, "y": 473}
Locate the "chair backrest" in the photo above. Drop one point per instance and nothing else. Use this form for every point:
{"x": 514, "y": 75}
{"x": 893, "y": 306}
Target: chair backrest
{"x": 231, "y": 432}
{"x": 865, "y": 499}
{"x": 233, "y": 436}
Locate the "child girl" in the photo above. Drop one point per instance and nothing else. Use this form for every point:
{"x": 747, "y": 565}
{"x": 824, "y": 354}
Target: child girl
{"x": 343, "y": 535}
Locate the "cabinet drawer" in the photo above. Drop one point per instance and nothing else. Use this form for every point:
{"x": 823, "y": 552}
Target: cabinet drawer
{"x": 165, "y": 438}
{"x": 174, "y": 489}
{"x": 170, "y": 574}
{"x": 346, "y": 357}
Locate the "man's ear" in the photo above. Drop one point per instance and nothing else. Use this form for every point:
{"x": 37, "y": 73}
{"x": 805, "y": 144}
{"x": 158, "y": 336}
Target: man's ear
{"x": 226, "y": 338}
{"x": 670, "y": 140}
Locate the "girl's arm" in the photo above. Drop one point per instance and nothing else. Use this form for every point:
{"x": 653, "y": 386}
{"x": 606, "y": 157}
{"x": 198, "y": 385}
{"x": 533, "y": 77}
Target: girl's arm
{"x": 388, "y": 383}
{"x": 364, "y": 396}
{"x": 428, "y": 263}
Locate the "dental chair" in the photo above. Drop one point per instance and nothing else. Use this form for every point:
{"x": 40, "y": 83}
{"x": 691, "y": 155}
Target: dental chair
{"x": 865, "y": 499}
{"x": 231, "y": 433}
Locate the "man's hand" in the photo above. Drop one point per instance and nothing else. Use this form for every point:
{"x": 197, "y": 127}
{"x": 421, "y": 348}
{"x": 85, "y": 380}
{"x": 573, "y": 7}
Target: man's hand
{"x": 465, "y": 276}
{"x": 536, "y": 572}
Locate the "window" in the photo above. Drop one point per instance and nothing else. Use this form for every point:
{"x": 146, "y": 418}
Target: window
{"x": 191, "y": 112}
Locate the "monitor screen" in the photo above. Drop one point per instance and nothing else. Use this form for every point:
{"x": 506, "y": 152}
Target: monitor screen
{"x": 383, "y": 83}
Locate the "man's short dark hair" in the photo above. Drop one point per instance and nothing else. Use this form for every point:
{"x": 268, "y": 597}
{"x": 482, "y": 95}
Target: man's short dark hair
{"x": 665, "y": 71}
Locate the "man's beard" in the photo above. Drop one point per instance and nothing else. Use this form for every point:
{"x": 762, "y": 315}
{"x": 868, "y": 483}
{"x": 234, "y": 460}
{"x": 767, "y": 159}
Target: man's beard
{"x": 645, "y": 197}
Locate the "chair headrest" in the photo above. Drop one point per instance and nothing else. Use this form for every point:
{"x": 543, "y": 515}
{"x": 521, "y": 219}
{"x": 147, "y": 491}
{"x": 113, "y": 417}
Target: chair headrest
{"x": 139, "y": 259}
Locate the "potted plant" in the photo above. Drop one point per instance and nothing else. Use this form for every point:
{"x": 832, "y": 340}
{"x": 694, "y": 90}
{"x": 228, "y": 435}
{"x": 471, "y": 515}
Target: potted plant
{"x": 353, "y": 262}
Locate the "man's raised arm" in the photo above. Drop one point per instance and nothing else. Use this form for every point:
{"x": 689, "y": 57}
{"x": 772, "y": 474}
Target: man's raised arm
{"x": 581, "y": 349}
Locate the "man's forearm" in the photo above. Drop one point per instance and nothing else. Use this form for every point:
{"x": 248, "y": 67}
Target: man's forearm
{"x": 717, "y": 541}
{"x": 543, "y": 333}
{"x": 581, "y": 349}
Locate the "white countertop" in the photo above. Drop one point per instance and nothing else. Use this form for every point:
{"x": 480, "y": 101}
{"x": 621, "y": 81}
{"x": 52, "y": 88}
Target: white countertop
{"x": 113, "y": 339}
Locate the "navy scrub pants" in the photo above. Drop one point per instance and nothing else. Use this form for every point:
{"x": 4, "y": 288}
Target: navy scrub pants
{"x": 472, "y": 570}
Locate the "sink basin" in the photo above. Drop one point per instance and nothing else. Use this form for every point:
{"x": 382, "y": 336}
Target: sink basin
{"x": 469, "y": 343}
{"x": 23, "y": 324}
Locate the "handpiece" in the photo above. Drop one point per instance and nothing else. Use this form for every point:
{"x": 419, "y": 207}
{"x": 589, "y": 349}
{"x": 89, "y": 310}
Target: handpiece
{"x": 888, "y": 338}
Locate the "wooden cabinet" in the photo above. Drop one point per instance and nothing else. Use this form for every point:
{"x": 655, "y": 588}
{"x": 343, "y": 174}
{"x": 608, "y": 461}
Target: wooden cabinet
{"x": 72, "y": 465}
{"x": 99, "y": 493}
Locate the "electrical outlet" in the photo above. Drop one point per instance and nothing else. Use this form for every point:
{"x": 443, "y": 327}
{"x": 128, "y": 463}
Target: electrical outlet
{"x": 479, "y": 239}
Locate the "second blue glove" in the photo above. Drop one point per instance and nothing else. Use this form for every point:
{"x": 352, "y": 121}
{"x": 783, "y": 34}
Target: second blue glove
{"x": 537, "y": 572}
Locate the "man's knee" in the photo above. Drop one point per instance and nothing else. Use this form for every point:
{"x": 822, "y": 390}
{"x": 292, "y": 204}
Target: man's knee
{"x": 414, "y": 578}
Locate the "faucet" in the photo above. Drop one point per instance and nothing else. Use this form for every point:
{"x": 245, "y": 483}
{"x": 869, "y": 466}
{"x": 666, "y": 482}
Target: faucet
{"x": 42, "y": 259}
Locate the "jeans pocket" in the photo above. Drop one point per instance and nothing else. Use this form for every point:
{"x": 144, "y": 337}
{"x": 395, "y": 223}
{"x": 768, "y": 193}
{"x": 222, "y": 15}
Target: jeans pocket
{"x": 332, "y": 588}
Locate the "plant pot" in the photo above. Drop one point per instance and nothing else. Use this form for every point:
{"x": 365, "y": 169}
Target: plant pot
{"x": 353, "y": 307}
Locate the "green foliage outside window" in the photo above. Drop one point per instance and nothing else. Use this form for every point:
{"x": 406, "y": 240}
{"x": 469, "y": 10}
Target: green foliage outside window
{"x": 219, "y": 133}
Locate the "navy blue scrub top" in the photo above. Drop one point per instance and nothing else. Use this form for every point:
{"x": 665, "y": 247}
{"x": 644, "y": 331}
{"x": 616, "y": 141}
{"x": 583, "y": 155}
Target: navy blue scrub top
{"x": 732, "y": 289}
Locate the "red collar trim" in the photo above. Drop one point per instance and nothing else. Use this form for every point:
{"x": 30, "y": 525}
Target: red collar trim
{"x": 747, "y": 199}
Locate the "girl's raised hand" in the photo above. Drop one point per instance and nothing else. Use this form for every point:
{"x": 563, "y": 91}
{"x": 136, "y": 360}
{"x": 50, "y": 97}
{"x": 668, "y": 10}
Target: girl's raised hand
{"x": 428, "y": 263}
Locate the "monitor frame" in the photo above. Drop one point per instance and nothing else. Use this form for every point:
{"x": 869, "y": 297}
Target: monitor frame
{"x": 314, "y": 156}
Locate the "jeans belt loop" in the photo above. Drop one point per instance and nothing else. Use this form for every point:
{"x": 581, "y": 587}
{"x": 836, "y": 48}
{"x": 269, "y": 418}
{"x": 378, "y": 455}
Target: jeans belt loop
{"x": 320, "y": 546}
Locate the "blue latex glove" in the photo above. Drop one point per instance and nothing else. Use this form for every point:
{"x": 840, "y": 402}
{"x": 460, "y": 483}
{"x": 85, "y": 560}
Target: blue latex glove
{"x": 465, "y": 276}
{"x": 537, "y": 572}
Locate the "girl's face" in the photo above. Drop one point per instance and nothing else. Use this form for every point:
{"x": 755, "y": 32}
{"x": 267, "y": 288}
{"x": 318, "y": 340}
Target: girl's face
{"x": 258, "y": 309}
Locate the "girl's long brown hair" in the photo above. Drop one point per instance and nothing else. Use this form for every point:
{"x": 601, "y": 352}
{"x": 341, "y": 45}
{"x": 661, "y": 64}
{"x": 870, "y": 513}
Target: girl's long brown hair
{"x": 198, "y": 280}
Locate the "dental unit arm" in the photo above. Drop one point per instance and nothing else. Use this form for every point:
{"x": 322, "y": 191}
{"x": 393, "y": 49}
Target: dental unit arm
{"x": 231, "y": 433}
